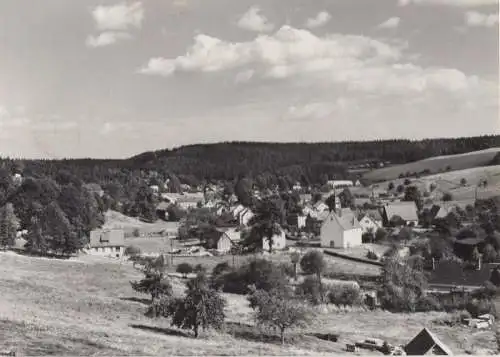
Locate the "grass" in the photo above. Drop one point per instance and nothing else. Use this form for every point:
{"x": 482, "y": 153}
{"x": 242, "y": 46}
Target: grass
{"x": 87, "y": 307}
{"x": 435, "y": 165}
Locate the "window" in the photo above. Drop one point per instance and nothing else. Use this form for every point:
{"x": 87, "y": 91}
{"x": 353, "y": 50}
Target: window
{"x": 117, "y": 249}
{"x": 332, "y": 243}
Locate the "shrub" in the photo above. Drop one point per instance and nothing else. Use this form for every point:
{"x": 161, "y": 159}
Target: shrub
{"x": 261, "y": 273}
{"x": 447, "y": 196}
{"x": 221, "y": 268}
{"x": 428, "y": 303}
{"x": 372, "y": 255}
{"x": 132, "y": 251}
{"x": 344, "y": 294}
{"x": 200, "y": 268}
{"x": 136, "y": 232}
{"x": 184, "y": 269}
{"x": 380, "y": 235}
{"x": 309, "y": 289}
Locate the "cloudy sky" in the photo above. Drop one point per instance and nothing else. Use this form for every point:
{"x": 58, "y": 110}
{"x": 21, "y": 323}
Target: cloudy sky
{"x": 101, "y": 78}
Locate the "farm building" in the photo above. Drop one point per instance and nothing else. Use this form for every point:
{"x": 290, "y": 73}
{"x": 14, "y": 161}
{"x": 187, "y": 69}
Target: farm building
{"x": 341, "y": 230}
{"x": 337, "y": 184}
{"x": 406, "y": 210}
{"x": 426, "y": 343}
{"x": 279, "y": 242}
{"x": 227, "y": 239}
{"x": 109, "y": 242}
{"x": 369, "y": 222}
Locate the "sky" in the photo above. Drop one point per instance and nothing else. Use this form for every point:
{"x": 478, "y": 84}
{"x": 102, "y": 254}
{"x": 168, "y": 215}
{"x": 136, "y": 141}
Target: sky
{"x": 111, "y": 79}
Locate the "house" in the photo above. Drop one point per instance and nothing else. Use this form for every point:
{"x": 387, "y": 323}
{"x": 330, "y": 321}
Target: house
{"x": 370, "y": 222}
{"x": 446, "y": 208}
{"x": 162, "y": 210}
{"x": 107, "y": 242}
{"x": 406, "y": 210}
{"x": 278, "y": 242}
{"x": 297, "y": 220}
{"x": 426, "y": 343}
{"x": 341, "y": 230}
{"x": 245, "y": 217}
{"x": 320, "y": 206}
{"x": 339, "y": 184}
{"x": 227, "y": 239}
{"x": 154, "y": 188}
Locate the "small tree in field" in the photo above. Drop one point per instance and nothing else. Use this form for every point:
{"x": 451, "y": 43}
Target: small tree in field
{"x": 201, "y": 307}
{"x": 279, "y": 310}
{"x": 295, "y": 258}
{"x": 313, "y": 262}
{"x": 199, "y": 268}
{"x": 154, "y": 282}
{"x": 184, "y": 269}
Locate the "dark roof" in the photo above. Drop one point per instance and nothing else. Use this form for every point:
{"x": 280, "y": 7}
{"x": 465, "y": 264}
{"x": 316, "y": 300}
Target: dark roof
{"x": 424, "y": 342}
{"x": 453, "y": 273}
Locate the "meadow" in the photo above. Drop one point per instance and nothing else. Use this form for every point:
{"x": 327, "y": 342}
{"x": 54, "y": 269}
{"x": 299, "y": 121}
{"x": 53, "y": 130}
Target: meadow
{"x": 85, "y": 306}
{"x": 435, "y": 165}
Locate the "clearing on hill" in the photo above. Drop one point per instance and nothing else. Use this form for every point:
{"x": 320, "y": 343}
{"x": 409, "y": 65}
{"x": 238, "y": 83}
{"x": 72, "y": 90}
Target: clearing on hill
{"x": 435, "y": 165}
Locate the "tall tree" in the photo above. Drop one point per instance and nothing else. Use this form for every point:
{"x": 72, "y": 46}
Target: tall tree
{"x": 9, "y": 224}
{"x": 313, "y": 262}
{"x": 265, "y": 224}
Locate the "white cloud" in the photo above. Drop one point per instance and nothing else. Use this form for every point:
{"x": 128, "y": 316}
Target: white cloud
{"x": 358, "y": 63}
{"x": 252, "y": 20}
{"x": 119, "y": 17}
{"x": 244, "y": 76}
{"x": 319, "y": 20}
{"x": 320, "y": 109}
{"x": 391, "y": 23}
{"x": 458, "y": 3}
{"x": 476, "y": 19}
{"x": 107, "y": 38}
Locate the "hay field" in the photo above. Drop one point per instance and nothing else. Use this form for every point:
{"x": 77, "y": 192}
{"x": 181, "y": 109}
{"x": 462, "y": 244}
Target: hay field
{"x": 86, "y": 307}
{"x": 435, "y": 164}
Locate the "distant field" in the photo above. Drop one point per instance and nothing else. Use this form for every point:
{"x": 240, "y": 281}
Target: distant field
{"x": 450, "y": 182}
{"x": 87, "y": 307}
{"x": 115, "y": 219}
{"x": 434, "y": 164}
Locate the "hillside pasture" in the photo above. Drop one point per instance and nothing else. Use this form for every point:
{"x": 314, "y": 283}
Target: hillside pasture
{"x": 80, "y": 307}
{"x": 117, "y": 220}
{"x": 434, "y": 165}
{"x": 450, "y": 182}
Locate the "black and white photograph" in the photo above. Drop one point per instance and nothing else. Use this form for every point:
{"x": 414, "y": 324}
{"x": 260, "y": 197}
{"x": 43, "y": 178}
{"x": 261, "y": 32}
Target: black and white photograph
{"x": 249, "y": 177}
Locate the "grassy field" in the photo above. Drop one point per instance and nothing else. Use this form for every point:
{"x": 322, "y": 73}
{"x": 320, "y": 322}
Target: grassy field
{"x": 87, "y": 307}
{"x": 435, "y": 165}
{"x": 450, "y": 182}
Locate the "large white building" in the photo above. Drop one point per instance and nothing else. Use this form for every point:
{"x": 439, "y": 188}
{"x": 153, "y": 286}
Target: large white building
{"x": 341, "y": 230}
{"x": 107, "y": 242}
{"x": 279, "y": 242}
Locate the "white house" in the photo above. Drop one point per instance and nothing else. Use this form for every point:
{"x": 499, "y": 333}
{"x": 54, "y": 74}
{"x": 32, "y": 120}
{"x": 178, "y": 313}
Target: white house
{"x": 107, "y": 242}
{"x": 279, "y": 242}
{"x": 245, "y": 217}
{"x": 371, "y": 221}
{"x": 227, "y": 239}
{"x": 320, "y": 206}
{"x": 341, "y": 230}
{"x": 336, "y": 184}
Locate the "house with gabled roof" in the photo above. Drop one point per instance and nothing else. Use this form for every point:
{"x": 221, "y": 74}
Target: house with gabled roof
{"x": 107, "y": 242}
{"x": 227, "y": 238}
{"x": 426, "y": 343}
{"x": 341, "y": 229}
{"x": 408, "y": 211}
{"x": 370, "y": 221}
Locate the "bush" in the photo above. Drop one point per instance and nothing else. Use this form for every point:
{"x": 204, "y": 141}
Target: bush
{"x": 184, "y": 269}
{"x": 136, "y": 232}
{"x": 261, "y": 273}
{"x": 340, "y": 294}
{"x": 221, "y": 268}
{"x": 309, "y": 289}
{"x": 200, "y": 268}
{"x": 428, "y": 303}
{"x": 132, "y": 251}
{"x": 372, "y": 255}
{"x": 380, "y": 235}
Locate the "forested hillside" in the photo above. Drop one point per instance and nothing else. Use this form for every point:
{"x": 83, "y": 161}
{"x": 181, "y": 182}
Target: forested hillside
{"x": 311, "y": 162}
